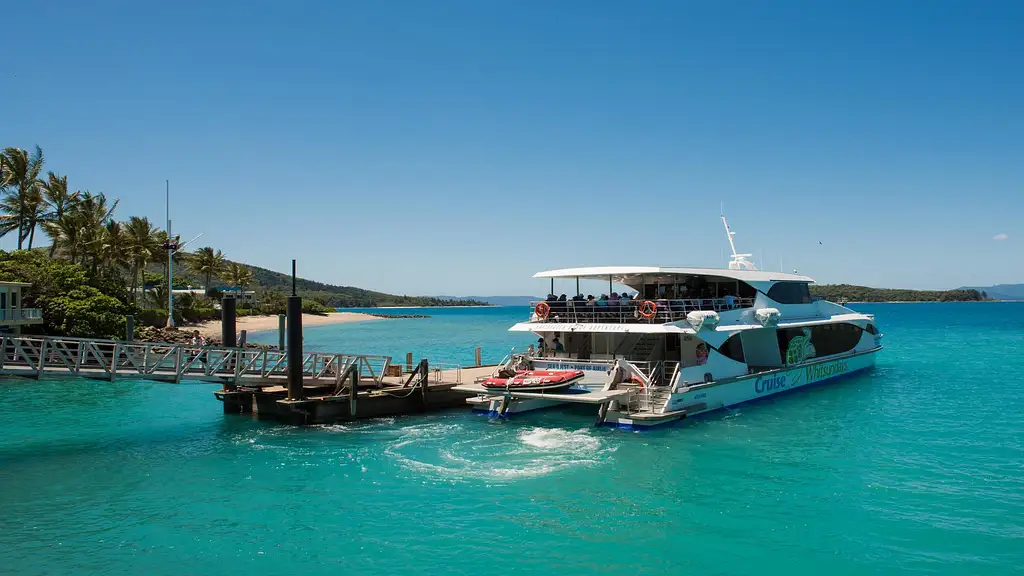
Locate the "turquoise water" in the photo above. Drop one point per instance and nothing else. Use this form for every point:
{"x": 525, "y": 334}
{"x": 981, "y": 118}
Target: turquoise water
{"x": 450, "y": 335}
{"x": 916, "y": 467}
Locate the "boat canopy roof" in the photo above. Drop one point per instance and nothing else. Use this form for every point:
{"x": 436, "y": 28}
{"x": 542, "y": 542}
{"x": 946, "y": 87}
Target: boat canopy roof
{"x": 630, "y": 275}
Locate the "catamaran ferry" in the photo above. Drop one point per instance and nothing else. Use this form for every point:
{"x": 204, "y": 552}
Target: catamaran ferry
{"x": 686, "y": 342}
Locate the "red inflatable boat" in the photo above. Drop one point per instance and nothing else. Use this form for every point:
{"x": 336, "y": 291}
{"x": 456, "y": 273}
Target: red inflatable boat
{"x": 536, "y": 381}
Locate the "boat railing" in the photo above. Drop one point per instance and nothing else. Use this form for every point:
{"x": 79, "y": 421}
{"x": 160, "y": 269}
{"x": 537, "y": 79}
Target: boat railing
{"x": 629, "y": 311}
{"x": 441, "y": 372}
{"x": 659, "y": 376}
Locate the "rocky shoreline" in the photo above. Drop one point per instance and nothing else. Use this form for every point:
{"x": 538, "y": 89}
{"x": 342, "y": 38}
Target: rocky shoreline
{"x": 181, "y": 336}
{"x": 394, "y": 316}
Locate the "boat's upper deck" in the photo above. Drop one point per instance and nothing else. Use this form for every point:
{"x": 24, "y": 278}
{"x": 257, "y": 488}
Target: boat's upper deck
{"x": 659, "y": 295}
{"x": 660, "y": 311}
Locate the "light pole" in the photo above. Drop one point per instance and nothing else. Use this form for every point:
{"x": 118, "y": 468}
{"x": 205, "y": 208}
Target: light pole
{"x": 171, "y": 245}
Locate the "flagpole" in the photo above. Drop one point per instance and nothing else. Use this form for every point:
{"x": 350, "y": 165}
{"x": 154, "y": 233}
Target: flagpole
{"x": 170, "y": 262}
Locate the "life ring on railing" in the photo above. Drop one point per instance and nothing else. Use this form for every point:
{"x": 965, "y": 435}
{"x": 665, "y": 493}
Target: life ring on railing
{"x": 542, "y": 310}
{"x": 648, "y": 308}
{"x": 638, "y": 381}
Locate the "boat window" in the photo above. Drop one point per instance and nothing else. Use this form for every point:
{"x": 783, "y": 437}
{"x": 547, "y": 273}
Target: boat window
{"x": 800, "y": 344}
{"x": 732, "y": 348}
{"x": 871, "y": 329}
{"x": 790, "y": 293}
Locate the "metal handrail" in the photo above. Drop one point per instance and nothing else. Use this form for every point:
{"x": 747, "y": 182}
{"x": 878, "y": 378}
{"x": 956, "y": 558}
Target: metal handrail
{"x": 109, "y": 358}
{"x": 21, "y": 314}
{"x": 575, "y": 311}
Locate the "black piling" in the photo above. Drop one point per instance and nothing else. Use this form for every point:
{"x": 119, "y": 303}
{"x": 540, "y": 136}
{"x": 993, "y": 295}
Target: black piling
{"x": 227, "y": 321}
{"x": 129, "y": 328}
{"x": 281, "y": 330}
{"x": 424, "y": 369}
{"x": 294, "y": 346}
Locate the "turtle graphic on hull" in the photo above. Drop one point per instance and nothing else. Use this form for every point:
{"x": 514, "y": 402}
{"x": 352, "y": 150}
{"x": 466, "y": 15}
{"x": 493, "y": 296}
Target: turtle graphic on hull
{"x": 800, "y": 348}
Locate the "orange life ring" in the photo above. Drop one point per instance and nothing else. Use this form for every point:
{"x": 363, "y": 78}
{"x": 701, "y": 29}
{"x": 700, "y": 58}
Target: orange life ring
{"x": 542, "y": 310}
{"x": 648, "y": 308}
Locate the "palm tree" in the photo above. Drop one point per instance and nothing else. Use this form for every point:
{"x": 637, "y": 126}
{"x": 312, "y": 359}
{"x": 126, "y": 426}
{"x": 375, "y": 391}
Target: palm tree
{"x": 157, "y": 297}
{"x": 142, "y": 244}
{"x": 21, "y": 182}
{"x": 57, "y": 202}
{"x": 67, "y": 234}
{"x": 113, "y": 247}
{"x": 207, "y": 262}
{"x": 92, "y": 213}
{"x": 240, "y": 275}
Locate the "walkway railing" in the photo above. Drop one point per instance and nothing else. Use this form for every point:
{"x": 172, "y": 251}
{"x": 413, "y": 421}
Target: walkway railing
{"x": 628, "y": 312}
{"x": 110, "y": 359}
{"x": 21, "y": 314}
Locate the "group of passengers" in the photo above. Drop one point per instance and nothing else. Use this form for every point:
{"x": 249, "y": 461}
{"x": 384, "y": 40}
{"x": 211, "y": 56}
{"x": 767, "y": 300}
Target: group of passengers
{"x": 605, "y": 300}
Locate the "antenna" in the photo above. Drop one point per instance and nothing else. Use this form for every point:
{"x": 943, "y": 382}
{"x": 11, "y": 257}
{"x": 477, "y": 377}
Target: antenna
{"x": 182, "y": 245}
{"x": 739, "y": 261}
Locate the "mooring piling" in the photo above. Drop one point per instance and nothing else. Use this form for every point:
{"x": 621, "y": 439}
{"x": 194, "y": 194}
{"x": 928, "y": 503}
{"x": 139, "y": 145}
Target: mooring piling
{"x": 295, "y": 391}
{"x": 129, "y": 328}
{"x": 227, "y": 321}
{"x": 478, "y": 363}
{"x": 281, "y": 323}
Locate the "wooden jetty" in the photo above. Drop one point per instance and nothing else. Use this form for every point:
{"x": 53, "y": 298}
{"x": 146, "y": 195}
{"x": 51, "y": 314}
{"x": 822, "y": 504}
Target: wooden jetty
{"x": 335, "y": 386}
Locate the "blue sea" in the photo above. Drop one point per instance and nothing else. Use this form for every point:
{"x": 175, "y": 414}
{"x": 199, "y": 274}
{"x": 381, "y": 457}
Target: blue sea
{"x": 916, "y": 467}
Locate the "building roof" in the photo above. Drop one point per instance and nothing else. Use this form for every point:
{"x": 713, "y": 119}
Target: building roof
{"x": 18, "y": 284}
{"x": 622, "y": 274}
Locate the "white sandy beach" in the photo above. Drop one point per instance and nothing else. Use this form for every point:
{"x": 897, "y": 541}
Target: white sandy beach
{"x": 266, "y": 323}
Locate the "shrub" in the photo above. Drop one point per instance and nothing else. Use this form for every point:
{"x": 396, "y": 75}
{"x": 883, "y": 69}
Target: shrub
{"x": 88, "y": 313}
{"x": 314, "y": 307}
{"x": 72, "y": 302}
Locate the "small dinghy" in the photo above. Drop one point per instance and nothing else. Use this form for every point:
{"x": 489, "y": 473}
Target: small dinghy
{"x": 535, "y": 380}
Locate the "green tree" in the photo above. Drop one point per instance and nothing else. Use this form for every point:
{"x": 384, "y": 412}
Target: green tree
{"x": 113, "y": 248}
{"x": 21, "y": 206}
{"x": 72, "y": 302}
{"x": 91, "y": 215}
{"x": 208, "y": 263}
{"x": 142, "y": 244}
{"x": 57, "y": 203}
{"x": 240, "y": 275}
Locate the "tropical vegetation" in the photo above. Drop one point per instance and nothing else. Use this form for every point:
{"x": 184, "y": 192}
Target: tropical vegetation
{"x": 97, "y": 268}
{"x": 851, "y": 293}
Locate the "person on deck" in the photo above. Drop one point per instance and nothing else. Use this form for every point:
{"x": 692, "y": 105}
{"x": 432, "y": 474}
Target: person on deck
{"x": 702, "y": 354}
{"x": 558, "y": 345}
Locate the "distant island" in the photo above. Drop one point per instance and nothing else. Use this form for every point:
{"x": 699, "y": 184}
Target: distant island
{"x": 496, "y": 300}
{"x": 851, "y": 293}
{"x": 1000, "y": 291}
{"x": 839, "y": 293}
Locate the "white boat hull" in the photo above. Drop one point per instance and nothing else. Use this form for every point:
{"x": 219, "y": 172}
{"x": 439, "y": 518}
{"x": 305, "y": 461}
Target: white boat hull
{"x": 701, "y": 399}
{"x": 716, "y": 396}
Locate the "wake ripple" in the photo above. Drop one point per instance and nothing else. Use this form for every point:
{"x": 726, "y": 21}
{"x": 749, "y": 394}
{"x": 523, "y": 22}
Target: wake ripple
{"x": 453, "y": 453}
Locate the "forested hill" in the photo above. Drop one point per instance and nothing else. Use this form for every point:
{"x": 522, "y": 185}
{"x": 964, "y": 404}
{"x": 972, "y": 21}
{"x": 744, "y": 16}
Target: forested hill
{"x": 343, "y": 296}
{"x": 851, "y": 293}
{"x": 1001, "y": 291}
{"x": 280, "y": 284}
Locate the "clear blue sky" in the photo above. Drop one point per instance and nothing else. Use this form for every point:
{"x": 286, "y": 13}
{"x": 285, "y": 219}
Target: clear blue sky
{"x": 459, "y": 147}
